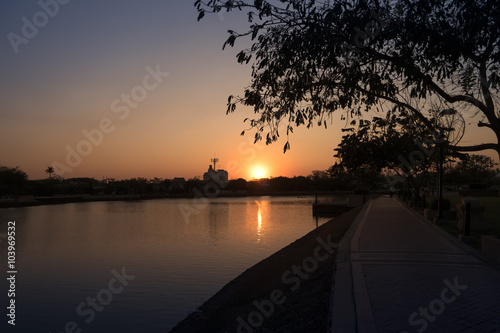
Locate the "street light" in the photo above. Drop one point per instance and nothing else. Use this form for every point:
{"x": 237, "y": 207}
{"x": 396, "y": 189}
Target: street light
{"x": 454, "y": 125}
{"x": 440, "y": 215}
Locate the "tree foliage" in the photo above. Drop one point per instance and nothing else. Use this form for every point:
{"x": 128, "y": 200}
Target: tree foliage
{"x": 393, "y": 144}
{"x": 476, "y": 168}
{"x": 12, "y": 180}
{"x": 311, "y": 58}
{"x": 50, "y": 171}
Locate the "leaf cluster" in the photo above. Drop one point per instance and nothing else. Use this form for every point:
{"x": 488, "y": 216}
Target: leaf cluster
{"x": 384, "y": 142}
{"x": 311, "y": 58}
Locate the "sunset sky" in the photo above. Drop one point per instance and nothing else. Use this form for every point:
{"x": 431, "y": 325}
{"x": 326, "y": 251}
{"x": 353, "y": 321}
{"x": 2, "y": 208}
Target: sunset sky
{"x": 72, "y": 73}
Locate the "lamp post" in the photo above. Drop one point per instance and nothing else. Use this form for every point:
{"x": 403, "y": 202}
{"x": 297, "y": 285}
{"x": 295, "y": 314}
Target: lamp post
{"x": 441, "y": 142}
{"x": 454, "y": 124}
{"x": 440, "y": 215}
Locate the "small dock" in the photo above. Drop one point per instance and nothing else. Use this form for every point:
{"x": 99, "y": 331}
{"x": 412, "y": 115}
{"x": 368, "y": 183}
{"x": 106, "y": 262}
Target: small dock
{"x": 337, "y": 207}
{"x": 330, "y": 208}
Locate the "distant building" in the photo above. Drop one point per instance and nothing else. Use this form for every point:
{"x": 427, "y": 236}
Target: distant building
{"x": 220, "y": 176}
{"x": 178, "y": 183}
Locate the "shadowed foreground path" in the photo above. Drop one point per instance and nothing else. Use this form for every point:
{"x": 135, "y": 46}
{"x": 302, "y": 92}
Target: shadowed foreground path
{"x": 396, "y": 272}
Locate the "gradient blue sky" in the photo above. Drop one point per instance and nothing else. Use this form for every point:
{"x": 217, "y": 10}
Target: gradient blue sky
{"x": 66, "y": 77}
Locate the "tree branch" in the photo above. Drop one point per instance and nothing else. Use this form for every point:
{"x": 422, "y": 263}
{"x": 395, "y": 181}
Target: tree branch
{"x": 405, "y": 105}
{"x": 487, "y": 96}
{"x": 435, "y": 87}
{"x": 479, "y": 147}
{"x": 482, "y": 124}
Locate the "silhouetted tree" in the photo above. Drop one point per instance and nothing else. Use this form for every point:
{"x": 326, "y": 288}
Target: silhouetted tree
{"x": 50, "y": 171}
{"x": 476, "y": 168}
{"x": 82, "y": 185}
{"x": 137, "y": 185}
{"x": 321, "y": 180}
{"x": 237, "y": 185}
{"x": 310, "y": 58}
{"x": 394, "y": 144}
{"x": 195, "y": 182}
{"x": 280, "y": 184}
{"x": 257, "y": 185}
{"x": 12, "y": 180}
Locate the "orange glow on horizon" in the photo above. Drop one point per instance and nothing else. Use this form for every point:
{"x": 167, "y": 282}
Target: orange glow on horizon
{"x": 258, "y": 172}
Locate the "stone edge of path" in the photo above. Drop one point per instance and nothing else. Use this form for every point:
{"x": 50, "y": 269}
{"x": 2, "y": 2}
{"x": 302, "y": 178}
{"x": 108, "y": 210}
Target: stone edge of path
{"x": 342, "y": 314}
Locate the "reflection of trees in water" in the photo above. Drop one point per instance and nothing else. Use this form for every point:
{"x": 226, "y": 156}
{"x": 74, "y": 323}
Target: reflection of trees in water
{"x": 218, "y": 218}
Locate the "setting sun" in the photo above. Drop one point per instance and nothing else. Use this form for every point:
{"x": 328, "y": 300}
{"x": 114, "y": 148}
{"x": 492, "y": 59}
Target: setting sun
{"x": 258, "y": 172}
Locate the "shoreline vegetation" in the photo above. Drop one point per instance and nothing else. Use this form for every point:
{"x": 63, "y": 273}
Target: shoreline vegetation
{"x": 30, "y": 200}
{"x": 275, "y": 295}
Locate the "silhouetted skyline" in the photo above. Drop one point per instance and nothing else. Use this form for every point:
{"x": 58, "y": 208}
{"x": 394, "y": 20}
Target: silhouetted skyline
{"x": 134, "y": 90}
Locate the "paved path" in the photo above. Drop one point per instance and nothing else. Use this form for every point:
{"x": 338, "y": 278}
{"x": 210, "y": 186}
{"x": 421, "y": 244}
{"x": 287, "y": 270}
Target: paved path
{"x": 396, "y": 272}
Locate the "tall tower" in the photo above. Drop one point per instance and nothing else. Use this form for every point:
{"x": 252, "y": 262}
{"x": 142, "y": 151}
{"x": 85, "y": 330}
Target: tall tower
{"x": 214, "y": 160}
{"x": 220, "y": 177}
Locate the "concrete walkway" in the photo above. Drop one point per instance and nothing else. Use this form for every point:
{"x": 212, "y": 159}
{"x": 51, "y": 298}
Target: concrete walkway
{"x": 396, "y": 272}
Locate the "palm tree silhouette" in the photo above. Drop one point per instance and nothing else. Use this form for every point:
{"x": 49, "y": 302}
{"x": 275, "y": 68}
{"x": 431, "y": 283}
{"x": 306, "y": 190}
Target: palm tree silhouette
{"x": 50, "y": 171}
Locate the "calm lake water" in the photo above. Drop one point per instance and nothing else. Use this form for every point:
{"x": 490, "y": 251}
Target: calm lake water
{"x": 168, "y": 263}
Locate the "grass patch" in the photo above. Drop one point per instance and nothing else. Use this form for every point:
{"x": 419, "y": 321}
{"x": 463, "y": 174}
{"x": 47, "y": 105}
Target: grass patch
{"x": 491, "y": 217}
{"x": 491, "y": 214}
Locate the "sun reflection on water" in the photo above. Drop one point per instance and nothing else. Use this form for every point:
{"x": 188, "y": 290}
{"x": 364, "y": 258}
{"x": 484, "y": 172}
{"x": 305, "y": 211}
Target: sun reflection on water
{"x": 259, "y": 221}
